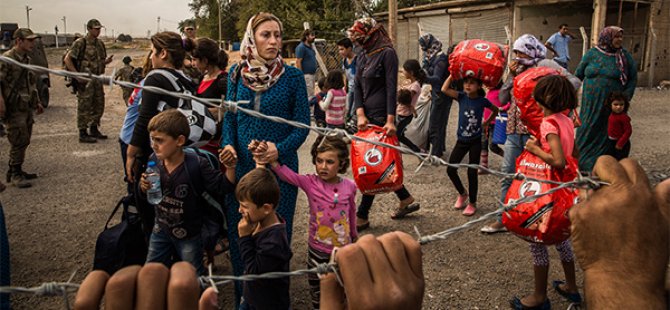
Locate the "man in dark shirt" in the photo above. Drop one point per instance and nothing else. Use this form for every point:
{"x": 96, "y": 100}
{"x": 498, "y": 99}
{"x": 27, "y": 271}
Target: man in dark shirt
{"x": 436, "y": 66}
{"x": 263, "y": 241}
{"x": 306, "y": 60}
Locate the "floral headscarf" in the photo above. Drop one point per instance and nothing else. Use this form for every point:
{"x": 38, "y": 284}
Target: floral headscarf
{"x": 430, "y": 46}
{"x": 257, "y": 73}
{"x": 531, "y": 46}
{"x": 606, "y": 47}
{"x": 369, "y": 34}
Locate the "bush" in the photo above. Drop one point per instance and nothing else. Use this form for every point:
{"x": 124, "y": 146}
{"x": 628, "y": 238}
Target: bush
{"x": 124, "y": 38}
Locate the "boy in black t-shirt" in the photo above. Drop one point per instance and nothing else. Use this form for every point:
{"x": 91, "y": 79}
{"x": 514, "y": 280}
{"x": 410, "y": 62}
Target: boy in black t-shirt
{"x": 180, "y": 214}
{"x": 263, "y": 242}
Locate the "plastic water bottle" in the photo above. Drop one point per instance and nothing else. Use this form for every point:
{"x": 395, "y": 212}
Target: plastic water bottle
{"x": 154, "y": 194}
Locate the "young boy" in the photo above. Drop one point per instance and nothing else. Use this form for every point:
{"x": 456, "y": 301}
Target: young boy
{"x": 180, "y": 214}
{"x": 263, "y": 241}
{"x": 346, "y": 50}
{"x": 319, "y": 115}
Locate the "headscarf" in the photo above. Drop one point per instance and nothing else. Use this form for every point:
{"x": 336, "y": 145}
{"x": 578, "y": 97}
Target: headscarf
{"x": 370, "y": 35}
{"x": 257, "y": 73}
{"x": 430, "y": 46}
{"x": 606, "y": 47}
{"x": 531, "y": 46}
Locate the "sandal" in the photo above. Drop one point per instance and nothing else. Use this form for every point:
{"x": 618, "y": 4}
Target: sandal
{"x": 571, "y": 297}
{"x": 402, "y": 212}
{"x": 516, "y": 304}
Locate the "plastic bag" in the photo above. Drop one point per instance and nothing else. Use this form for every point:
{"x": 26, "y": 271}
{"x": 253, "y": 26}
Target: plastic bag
{"x": 545, "y": 219}
{"x": 480, "y": 59}
{"x": 376, "y": 169}
{"x": 417, "y": 130}
{"x": 524, "y": 84}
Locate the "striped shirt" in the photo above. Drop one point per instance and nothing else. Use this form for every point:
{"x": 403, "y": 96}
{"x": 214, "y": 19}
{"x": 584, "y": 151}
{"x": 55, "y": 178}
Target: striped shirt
{"x": 335, "y": 106}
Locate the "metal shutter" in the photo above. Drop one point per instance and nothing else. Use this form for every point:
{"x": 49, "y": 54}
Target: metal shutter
{"x": 486, "y": 25}
{"x": 438, "y": 25}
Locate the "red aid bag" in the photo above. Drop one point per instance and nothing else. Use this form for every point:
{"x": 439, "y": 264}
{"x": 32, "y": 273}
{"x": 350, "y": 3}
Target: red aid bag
{"x": 524, "y": 84}
{"x": 545, "y": 219}
{"x": 479, "y": 59}
{"x": 376, "y": 169}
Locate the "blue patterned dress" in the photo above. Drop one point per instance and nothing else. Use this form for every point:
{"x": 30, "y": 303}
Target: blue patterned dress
{"x": 601, "y": 77}
{"x": 286, "y": 99}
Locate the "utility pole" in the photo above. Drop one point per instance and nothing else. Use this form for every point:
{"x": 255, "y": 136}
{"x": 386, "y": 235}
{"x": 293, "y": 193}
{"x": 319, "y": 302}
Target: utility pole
{"x": 64, "y": 25}
{"x": 393, "y": 20}
{"x": 158, "y": 24}
{"x": 219, "y": 2}
{"x": 56, "y": 32}
{"x": 28, "y": 9}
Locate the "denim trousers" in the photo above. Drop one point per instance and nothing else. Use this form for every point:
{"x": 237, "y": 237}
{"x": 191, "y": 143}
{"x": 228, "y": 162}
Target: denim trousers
{"x": 163, "y": 247}
{"x": 514, "y": 145}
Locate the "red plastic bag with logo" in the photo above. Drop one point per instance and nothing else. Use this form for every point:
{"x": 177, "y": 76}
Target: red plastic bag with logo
{"x": 479, "y": 59}
{"x": 545, "y": 219}
{"x": 376, "y": 169}
{"x": 524, "y": 84}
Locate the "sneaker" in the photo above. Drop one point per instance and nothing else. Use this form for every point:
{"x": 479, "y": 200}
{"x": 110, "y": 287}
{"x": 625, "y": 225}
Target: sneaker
{"x": 461, "y": 201}
{"x": 494, "y": 228}
{"x": 470, "y": 210}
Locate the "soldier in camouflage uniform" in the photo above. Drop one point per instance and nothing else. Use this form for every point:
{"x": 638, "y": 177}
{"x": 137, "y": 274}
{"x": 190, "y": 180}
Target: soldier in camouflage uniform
{"x": 18, "y": 100}
{"x": 125, "y": 74}
{"x": 90, "y": 55}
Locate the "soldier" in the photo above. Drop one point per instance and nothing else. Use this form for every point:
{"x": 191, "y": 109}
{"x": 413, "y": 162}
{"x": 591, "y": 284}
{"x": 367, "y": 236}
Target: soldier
{"x": 18, "y": 99}
{"x": 88, "y": 55}
{"x": 125, "y": 74}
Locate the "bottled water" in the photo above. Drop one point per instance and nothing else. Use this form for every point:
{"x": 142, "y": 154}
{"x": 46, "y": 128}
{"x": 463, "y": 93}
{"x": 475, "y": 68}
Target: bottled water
{"x": 154, "y": 194}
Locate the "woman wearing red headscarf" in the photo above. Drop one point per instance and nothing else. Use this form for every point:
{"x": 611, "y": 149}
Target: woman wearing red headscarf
{"x": 605, "y": 69}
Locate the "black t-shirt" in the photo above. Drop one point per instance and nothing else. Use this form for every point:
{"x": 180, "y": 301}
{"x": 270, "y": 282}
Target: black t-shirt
{"x": 267, "y": 251}
{"x": 218, "y": 88}
{"x": 181, "y": 212}
{"x": 150, "y": 102}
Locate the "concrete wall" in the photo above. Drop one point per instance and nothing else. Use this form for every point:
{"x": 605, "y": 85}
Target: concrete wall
{"x": 543, "y": 20}
{"x": 660, "y": 17}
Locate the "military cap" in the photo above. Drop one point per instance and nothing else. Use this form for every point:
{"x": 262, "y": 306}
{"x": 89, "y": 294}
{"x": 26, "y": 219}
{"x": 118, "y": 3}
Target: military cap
{"x": 25, "y": 33}
{"x": 93, "y": 23}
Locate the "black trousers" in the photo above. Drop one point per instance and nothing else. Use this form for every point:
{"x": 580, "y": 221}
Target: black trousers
{"x": 403, "y": 122}
{"x": 437, "y": 123}
{"x": 474, "y": 148}
{"x": 618, "y": 154}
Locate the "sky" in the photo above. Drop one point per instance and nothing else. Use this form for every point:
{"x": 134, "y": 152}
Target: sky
{"x": 132, "y": 17}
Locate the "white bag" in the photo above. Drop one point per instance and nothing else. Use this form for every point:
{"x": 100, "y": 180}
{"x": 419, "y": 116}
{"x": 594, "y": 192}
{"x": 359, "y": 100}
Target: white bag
{"x": 417, "y": 130}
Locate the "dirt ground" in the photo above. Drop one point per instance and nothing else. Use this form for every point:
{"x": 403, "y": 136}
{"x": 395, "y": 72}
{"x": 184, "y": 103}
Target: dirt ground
{"x": 53, "y": 225}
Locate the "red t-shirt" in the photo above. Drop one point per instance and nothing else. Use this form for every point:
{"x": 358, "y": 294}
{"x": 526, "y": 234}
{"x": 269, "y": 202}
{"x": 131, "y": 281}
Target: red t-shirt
{"x": 619, "y": 128}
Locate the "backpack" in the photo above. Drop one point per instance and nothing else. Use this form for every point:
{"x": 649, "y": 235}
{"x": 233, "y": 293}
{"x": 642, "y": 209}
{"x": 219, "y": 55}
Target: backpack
{"x": 123, "y": 244}
{"x": 202, "y": 123}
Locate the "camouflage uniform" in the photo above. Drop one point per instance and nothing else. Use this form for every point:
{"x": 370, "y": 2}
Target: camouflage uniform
{"x": 90, "y": 53}
{"x": 125, "y": 75}
{"x": 19, "y": 111}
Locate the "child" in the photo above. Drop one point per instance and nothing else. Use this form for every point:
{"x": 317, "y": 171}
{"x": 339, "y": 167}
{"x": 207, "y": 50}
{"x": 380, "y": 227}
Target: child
{"x": 471, "y": 104}
{"x": 406, "y": 109}
{"x": 318, "y": 114}
{"x": 332, "y": 203}
{"x": 125, "y": 74}
{"x": 618, "y": 126}
{"x": 553, "y": 94}
{"x": 492, "y": 96}
{"x": 335, "y": 103}
{"x": 263, "y": 241}
{"x": 179, "y": 216}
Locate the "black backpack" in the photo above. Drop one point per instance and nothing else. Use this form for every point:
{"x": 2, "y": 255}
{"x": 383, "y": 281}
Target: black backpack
{"x": 123, "y": 244}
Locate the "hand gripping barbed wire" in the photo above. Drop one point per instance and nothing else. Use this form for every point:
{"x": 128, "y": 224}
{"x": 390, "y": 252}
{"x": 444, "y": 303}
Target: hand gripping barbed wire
{"x": 50, "y": 289}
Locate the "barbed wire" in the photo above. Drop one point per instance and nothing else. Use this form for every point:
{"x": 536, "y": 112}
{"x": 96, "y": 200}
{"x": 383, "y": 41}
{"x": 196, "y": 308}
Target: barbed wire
{"x": 57, "y": 288}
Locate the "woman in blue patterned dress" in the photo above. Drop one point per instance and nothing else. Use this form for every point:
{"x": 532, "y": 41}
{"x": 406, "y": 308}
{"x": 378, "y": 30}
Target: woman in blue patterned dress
{"x": 604, "y": 69}
{"x": 272, "y": 88}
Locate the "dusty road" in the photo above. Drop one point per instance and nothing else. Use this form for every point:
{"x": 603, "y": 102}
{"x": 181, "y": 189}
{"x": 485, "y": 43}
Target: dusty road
{"x": 53, "y": 225}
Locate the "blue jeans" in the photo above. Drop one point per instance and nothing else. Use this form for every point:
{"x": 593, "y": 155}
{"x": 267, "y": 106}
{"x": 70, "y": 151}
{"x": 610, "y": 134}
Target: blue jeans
{"x": 163, "y": 247}
{"x": 514, "y": 145}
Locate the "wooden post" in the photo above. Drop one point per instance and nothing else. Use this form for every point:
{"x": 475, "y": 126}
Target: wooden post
{"x": 393, "y": 21}
{"x": 652, "y": 56}
{"x": 585, "y": 40}
{"x": 598, "y": 21}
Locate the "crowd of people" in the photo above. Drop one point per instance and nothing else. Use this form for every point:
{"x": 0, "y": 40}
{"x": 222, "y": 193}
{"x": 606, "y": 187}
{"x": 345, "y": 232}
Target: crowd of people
{"x": 258, "y": 180}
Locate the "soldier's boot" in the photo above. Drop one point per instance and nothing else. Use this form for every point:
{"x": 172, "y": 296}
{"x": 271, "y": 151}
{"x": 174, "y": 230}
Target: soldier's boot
{"x": 18, "y": 179}
{"x": 85, "y": 138}
{"x": 95, "y": 133}
{"x": 26, "y": 175}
